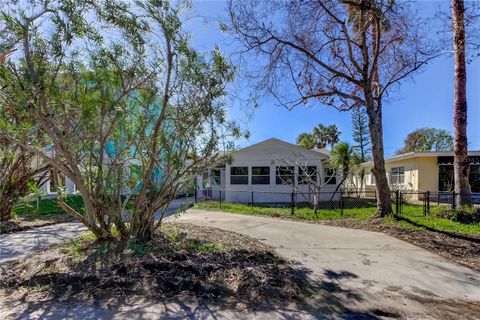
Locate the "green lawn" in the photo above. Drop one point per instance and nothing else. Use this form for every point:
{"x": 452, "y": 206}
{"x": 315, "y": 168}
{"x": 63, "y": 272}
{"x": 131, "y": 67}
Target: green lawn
{"x": 286, "y": 212}
{"x": 47, "y": 206}
{"x": 411, "y": 218}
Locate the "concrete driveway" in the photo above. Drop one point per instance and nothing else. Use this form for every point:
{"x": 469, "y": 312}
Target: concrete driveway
{"x": 368, "y": 269}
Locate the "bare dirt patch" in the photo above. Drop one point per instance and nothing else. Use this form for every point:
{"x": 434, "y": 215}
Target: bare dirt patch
{"x": 461, "y": 251}
{"x": 27, "y": 223}
{"x": 206, "y": 263}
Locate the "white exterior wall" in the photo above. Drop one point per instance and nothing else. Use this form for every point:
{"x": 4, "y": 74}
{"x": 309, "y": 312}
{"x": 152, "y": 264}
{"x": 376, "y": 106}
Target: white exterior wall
{"x": 69, "y": 188}
{"x": 272, "y": 153}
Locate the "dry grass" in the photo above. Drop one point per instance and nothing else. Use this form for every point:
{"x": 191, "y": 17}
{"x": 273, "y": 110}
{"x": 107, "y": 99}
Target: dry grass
{"x": 204, "y": 262}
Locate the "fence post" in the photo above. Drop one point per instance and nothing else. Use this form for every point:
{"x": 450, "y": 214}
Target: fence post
{"x": 220, "y": 198}
{"x": 428, "y": 202}
{"x": 401, "y": 201}
{"x": 425, "y": 204}
{"x": 293, "y": 203}
{"x": 438, "y": 198}
{"x": 195, "y": 196}
{"x": 251, "y": 200}
{"x": 453, "y": 200}
{"x": 397, "y": 201}
{"x": 341, "y": 203}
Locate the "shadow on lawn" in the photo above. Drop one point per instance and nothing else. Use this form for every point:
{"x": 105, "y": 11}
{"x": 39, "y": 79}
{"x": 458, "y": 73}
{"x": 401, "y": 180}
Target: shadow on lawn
{"x": 447, "y": 233}
{"x": 192, "y": 285}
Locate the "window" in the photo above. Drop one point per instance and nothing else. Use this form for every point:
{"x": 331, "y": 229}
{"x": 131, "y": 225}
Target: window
{"x": 330, "y": 175}
{"x": 307, "y": 175}
{"x": 285, "y": 175}
{"x": 215, "y": 178}
{"x": 370, "y": 179}
{"x": 475, "y": 178}
{"x": 52, "y": 188}
{"x": 239, "y": 175}
{"x": 397, "y": 175}
{"x": 260, "y": 175}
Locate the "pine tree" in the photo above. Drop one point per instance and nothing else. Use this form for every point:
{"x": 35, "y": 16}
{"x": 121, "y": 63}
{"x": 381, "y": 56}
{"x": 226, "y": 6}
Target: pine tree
{"x": 361, "y": 136}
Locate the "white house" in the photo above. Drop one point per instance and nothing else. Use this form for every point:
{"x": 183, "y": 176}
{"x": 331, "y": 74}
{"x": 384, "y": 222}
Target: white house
{"x": 268, "y": 172}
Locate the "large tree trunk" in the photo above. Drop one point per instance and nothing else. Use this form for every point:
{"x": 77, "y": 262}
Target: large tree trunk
{"x": 384, "y": 201}
{"x": 6, "y": 207}
{"x": 460, "y": 163}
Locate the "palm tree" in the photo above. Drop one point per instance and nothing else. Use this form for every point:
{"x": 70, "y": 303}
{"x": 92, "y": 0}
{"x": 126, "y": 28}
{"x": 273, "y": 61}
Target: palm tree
{"x": 333, "y": 135}
{"x": 342, "y": 157}
{"x": 320, "y": 135}
{"x": 460, "y": 162}
{"x": 306, "y": 140}
{"x": 368, "y": 16}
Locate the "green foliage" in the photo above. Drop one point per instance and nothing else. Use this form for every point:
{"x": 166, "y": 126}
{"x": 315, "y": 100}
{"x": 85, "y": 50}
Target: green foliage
{"x": 360, "y": 134}
{"x": 76, "y": 248}
{"x": 48, "y": 206}
{"x": 427, "y": 139}
{"x": 118, "y": 94}
{"x": 435, "y": 220}
{"x": 285, "y": 212}
{"x": 320, "y": 137}
{"x": 306, "y": 140}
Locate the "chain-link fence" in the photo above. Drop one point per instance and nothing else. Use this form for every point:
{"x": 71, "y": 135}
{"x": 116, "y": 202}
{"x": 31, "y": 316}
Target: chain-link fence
{"x": 421, "y": 202}
{"x": 335, "y": 201}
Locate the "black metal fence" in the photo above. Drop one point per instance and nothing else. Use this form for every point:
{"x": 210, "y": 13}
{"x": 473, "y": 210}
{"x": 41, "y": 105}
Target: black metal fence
{"x": 440, "y": 199}
{"x": 341, "y": 200}
{"x": 333, "y": 201}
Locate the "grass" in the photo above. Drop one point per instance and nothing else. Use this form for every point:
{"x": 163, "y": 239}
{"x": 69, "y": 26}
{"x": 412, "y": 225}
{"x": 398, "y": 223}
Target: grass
{"x": 286, "y": 212}
{"x": 46, "y": 207}
{"x": 412, "y": 217}
{"x": 76, "y": 247}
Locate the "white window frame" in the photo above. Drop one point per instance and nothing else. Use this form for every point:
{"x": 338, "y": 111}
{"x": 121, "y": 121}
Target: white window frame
{"x": 261, "y": 175}
{"x": 239, "y": 175}
{"x": 307, "y": 177}
{"x": 214, "y": 179}
{"x": 397, "y": 175}
{"x": 330, "y": 178}
{"x": 280, "y": 178}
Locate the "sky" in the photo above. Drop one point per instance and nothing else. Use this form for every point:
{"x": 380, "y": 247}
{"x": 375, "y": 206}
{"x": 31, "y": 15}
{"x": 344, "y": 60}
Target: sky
{"x": 425, "y": 101}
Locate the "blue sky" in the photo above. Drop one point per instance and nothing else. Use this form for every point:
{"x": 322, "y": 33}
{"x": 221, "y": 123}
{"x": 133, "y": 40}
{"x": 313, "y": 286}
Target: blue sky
{"x": 426, "y": 101}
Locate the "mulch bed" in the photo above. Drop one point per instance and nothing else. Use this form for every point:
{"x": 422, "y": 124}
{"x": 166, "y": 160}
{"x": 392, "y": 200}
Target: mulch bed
{"x": 462, "y": 251}
{"x": 26, "y": 223}
{"x": 206, "y": 263}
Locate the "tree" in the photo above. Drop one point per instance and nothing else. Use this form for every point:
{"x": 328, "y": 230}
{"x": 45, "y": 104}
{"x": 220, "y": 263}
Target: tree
{"x": 321, "y": 136}
{"x": 18, "y": 168}
{"x": 461, "y": 164}
{"x": 360, "y": 133}
{"x": 130, "y": 119}
{"x": 342, "y": 61}
{"x": 342, "y": 157}
{"x": 427, "y": 139}
{"x": 306, "y": 140}
{"x": 333, "y": 135}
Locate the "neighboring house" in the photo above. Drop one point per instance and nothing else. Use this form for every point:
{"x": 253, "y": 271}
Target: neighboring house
{"x": 50, "y": 190}
{"x": 266, "y": 171}
{"x": 424, "y": 171}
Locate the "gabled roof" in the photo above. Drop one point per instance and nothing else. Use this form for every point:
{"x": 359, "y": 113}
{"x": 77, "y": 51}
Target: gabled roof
{"x": 412, "y": 155}
{"x": 293, "y": 147}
